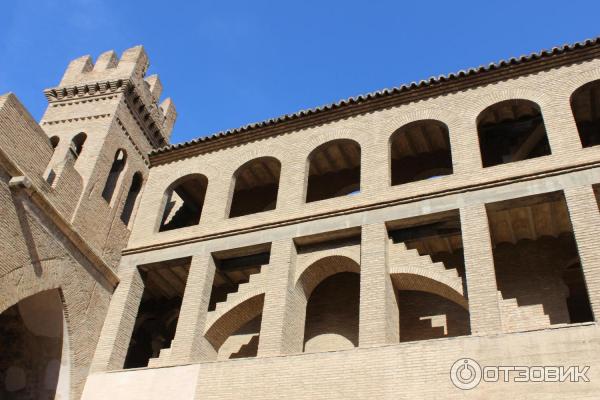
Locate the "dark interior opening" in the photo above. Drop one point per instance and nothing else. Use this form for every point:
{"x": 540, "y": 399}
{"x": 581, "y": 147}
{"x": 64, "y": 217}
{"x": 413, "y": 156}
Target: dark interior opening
{"x": 334, "y": 170}
{"x": 256, "y": 187}
{"x": 585, "y": 103}
{"x": 184, "y": 202}
{"x": 158, "y": 313}
{"x": 510, "y": 131}
{"x": 420, "y": 150}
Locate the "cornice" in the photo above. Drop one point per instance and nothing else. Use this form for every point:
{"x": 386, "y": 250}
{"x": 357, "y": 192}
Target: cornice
{"x": 67, "y": 120}
{"x": 147, "y": 116}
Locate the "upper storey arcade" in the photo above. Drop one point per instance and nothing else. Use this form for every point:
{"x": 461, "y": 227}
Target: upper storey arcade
{"x": 518, "y": 119}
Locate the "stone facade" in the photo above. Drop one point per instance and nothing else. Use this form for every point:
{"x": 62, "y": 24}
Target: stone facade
{"x": 353, "y": 251}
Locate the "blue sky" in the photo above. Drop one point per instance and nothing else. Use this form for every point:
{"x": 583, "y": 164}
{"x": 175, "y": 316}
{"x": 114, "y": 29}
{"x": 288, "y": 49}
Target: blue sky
{"x": 230, "y": 63}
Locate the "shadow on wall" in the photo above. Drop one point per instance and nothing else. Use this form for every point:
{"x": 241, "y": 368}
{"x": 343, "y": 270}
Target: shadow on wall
{"x": 34, "y": 362}
{"x": 332, "y": 314}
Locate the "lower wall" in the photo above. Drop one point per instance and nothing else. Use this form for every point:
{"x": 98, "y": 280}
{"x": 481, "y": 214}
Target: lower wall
{"x": 408, "y": 370}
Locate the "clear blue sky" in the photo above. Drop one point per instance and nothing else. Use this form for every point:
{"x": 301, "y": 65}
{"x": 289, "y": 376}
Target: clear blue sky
{"x": 229, "y": 63}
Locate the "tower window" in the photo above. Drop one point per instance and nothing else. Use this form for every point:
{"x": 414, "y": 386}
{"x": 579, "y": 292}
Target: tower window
{"x": 116, "y": 169}
{"x": 54, "y": 140}
{"x": 77, "y": 145}
{"x": 132, "y": 196}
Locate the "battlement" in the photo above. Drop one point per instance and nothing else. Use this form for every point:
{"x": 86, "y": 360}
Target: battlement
{"x": 127, "y": 74}
{"x": 132, "y": 64}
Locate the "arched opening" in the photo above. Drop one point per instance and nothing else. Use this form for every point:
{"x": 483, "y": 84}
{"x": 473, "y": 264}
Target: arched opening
{"x": 511, "y": 130}
{"x": 256, "y": 184}
{"x": 585, "y": 103}
{"x": 184, "y": 200}
{"x": 331, "y": 289}
{"x": 114, "y": 174}
{"x": 54, "y": 141}
{"x": 334, "y": 170}
{"x": 132, "y": 196}
{"x": 35, "y": 359}
{"x": 77, "y": 145}
{"x": 420, "y": 150}
{"x": 332, "y": 314}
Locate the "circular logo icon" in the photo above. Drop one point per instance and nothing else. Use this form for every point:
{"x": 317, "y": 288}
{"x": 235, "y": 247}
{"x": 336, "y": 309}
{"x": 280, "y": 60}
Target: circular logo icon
{"x": 465, "y": 373}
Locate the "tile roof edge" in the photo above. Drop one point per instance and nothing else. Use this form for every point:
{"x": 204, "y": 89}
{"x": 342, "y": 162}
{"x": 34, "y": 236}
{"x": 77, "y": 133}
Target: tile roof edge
{"x": 536, "y": 56}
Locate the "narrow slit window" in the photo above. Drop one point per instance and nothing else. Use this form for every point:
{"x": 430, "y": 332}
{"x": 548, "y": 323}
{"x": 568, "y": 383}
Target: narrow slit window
{"x": 114, "y": 174}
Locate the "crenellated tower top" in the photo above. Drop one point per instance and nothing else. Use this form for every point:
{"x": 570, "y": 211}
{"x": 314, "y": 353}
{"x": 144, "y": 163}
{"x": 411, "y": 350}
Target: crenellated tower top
{"x": 110, "y": 74}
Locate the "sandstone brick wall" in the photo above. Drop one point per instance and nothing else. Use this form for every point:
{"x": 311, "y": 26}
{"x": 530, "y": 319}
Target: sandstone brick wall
{"x": 37, "y": 257}
{"x": 388, "y": 313}
{"x": 408, "y": 370}
{"x": 426, "y": 316}
{"x": 551, "y": 90}
{"x": 60, "y": 233}
{"x": 332, "y": 287}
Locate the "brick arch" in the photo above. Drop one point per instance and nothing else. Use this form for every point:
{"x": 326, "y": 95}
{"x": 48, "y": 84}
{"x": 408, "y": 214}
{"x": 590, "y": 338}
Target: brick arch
{"x": 273, "y": 168}
{"x": 196, "y": 176}
{"x": 306, "y": 261}
{"x": 26, "y": 282}
{"x": 419, "y": 279}
{"x": 391, "y": 125}
{"x": 166, "y": 175}
{"x": 251, "y": 151}
{"x": 477, "y": 104}
{"x": 322, "y": 269}
{"x": 575, "y": 81}
{"x": 323, "y": 135}
{"x": 321, "y": 190}
{"x": 13, "y": 292}
{"x": 584, "y": 110}
{"x": 414, "y": 164}
{"x": 233, "y": 318}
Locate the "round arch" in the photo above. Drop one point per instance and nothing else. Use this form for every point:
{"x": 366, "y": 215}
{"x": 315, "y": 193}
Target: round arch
{"x": 182, "y": 203}
{"x": 331, "y": 167}
{"x": 254, "y": 187}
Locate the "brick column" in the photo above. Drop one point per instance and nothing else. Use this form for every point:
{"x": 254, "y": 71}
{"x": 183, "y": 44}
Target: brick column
{"x": 559, "y": 121}
{"x": 464, "y": 145}
{"x": 375, "y": 171}
{"x": 118, "y": 326}
{"x": 479, "y": 270}
{"x": 189, "y": 344}
{"x": 379, "y": 316}
{"x": 282, "y": 326}
{"x": 292, "y": 183}
{"x": 585, "y": 218}
{"x": 217, "y": 200}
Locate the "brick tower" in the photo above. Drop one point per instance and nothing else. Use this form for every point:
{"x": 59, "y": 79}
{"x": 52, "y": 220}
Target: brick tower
{"x": 104, "y": 118}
